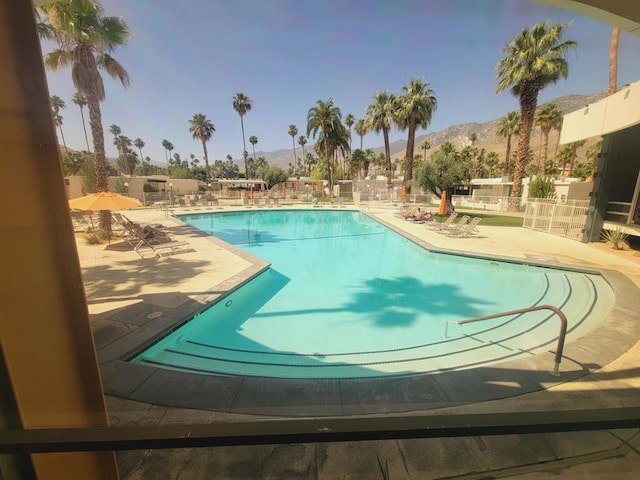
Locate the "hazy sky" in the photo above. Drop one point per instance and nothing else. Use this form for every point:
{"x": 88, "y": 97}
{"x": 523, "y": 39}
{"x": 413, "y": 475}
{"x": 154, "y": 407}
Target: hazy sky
{"x": 193, "y": 56}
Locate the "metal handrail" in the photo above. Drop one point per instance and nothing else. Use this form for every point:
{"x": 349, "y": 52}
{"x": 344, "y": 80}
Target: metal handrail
{"x": 556, "y": 310}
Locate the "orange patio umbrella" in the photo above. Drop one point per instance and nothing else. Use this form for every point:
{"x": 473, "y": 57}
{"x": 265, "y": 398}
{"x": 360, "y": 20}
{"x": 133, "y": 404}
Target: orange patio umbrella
{"x": 443, "y": 204}
{"x": 104, "y": 201}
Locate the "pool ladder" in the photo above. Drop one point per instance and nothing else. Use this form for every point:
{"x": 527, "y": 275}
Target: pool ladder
{"x": 556, "y": 310}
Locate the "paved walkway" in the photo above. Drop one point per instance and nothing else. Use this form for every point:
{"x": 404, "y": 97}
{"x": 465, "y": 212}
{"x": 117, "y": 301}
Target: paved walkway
{"x": 121, "y": 286}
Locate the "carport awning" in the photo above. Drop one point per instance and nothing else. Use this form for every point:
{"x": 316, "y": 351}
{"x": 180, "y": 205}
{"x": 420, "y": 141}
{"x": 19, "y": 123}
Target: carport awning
{"x": 616, "y": 112}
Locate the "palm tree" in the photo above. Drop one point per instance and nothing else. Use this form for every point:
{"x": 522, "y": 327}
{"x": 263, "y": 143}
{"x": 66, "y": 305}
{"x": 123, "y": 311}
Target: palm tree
{"x": 302, "y": 141}
{"x": 116, "y": 131}
{"x": 533, "y": 60}
{"x": 425, "y": 146}
{"x": 293, "y": 131}
{"x": 242, "y": 104}
{"x": 415, "y": 109}
{"x": 202, "y": 129}
{"x": 86, "y": 39}
{"x": 613, "y": 60}
{"x": 573, "y": 153}
{"x": 547, "y": 118}
{"x": 123, "y": 143}
{"x": 81, "y": 101}
{"x": 168, "y": 146}
{"x": 361, "y": 129}
{"x": 379, "y": 116}
{"x": 139, "y": 143}
{"x": 253, "y": 140}
{"x": 325, "y": 119}
{"x": 508, "y": 126}
{"x": 349, "y": 120}
{"x": 58, "y": 104}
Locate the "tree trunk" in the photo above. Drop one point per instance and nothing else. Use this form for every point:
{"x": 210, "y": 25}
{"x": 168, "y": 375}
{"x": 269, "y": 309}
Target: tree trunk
{"x": 328, "y": 160}
{"x": 545, "y": 149}
{"x": 408, "y": 170}
{"x": 613, "y": 60}
{"x": 84, "y": 127}
{"x": 295, "y": 158}
{"x": 387, "y": 154}
{"x": 206, "y": 160}
{"x": 507, "y": 160}
{"x": 528, "y": 104}
{"x": 64, "y": 143}
{"x": 244, "y": 150}
{"x": 102, "y": 182}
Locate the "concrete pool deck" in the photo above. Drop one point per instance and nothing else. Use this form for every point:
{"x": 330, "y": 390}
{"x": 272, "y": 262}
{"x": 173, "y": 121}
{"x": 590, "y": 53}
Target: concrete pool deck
{"x": 125, "y": 293}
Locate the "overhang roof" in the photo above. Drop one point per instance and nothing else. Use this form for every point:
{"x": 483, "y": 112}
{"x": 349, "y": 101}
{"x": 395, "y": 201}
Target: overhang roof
{"x": 615, "y": 112}
{"x": 621, "y": 13}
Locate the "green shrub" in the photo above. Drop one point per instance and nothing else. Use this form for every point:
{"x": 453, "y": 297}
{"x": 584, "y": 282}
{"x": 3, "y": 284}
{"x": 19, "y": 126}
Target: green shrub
{"x": 93, "y": 239}
{"x": 542, "y": 187}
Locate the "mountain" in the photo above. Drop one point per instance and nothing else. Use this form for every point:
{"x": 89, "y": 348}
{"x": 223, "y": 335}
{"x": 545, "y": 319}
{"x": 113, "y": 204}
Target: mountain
{"x": 460, "y": 136}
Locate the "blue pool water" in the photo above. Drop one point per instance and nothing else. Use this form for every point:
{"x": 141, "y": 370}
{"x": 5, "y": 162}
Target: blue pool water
{"x": 347, "y": 297}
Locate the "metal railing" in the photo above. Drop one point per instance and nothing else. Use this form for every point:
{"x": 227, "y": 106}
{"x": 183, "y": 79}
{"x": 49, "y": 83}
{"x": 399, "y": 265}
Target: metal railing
{"x": 556, "y": 310}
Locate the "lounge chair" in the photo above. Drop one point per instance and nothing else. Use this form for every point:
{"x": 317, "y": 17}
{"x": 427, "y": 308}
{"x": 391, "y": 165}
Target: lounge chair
{"x": 445, "y": 224}
{"x": 276, "y": 202}
{"x": 256, "y": 201}
{"x": 467, "y": 230}
{"x": 157, "y": 249}
{"x": 133, "y": 230}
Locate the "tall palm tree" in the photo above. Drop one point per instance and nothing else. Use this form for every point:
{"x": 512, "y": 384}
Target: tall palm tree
{"x": 86, "y": 39}
{"x": 139, "y": 143}
{"x": 508, "y": 126}
{"x": 202, "y": 129}
{"x": 116, "y": 131}
{"x": 81, "y": 101}
{"x": 534, "y": 59}
{"x": 613, "y": 60}
{"x": 168, "y": 146}
{"x": 379, "y": 117}
{"x": 123, "y": 143}
{"x": 293, "y": 131}
{"x": 349, "y": 120}
{"x": 325, "y": 119}
{"x": 57, "y": 104}
{"x": 253, "y": 140}
{"x": 242, "y": 105}
{"x": 415, "y": 109}
{"x": 547, "y": 118}
{"x": 361, "y": 129}
{"x": 302, "y": 141}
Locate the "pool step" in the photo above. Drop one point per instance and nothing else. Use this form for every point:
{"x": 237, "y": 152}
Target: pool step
{"x": 467, "y": 346}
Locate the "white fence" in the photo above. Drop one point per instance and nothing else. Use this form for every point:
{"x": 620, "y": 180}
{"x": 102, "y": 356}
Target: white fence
{"x": 567, "y": 218}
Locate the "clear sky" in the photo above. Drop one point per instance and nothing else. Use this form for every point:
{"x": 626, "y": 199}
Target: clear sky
{"x": 192, "y": 56}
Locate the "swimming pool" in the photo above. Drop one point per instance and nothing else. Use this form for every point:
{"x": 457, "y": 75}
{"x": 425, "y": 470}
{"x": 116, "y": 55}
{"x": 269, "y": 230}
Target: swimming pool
{"x": 346, "y": 297}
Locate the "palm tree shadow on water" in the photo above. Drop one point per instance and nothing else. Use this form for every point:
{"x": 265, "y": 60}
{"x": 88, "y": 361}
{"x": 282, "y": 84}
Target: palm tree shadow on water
{"x": 399, "y": 302}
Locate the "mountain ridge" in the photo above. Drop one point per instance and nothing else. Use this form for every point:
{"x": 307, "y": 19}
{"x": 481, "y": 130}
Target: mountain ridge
{"x": 459, "y": 135}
